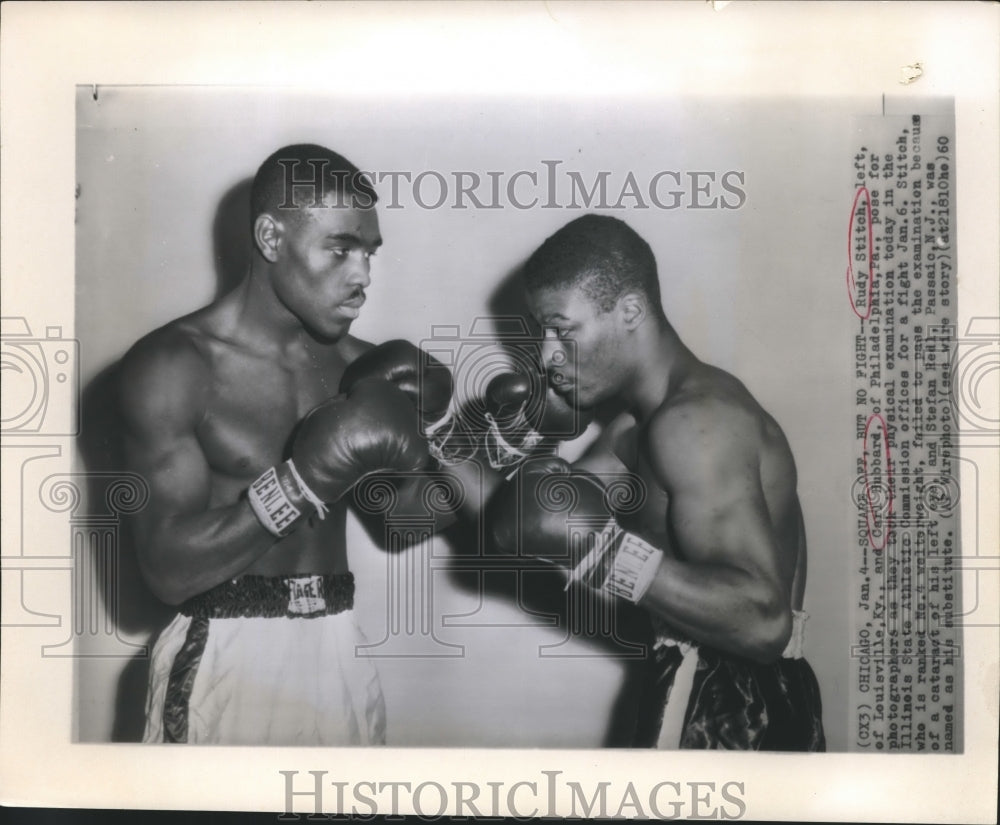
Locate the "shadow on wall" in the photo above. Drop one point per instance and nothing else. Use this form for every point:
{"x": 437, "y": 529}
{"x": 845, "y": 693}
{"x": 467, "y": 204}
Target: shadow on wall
{"x": 138, "y": 613}
{"x": 232, "y": 242}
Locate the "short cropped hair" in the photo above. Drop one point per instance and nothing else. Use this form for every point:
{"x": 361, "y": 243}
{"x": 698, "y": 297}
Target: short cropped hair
{"x": 298, "y": 176}
{"x": 602, "y": 256}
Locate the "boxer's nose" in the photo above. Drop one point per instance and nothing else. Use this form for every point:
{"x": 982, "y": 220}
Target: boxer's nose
{"x": 360, "y": 272}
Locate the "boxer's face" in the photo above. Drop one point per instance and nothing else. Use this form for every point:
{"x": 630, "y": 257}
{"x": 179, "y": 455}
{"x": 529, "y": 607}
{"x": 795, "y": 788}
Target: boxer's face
{"x": 323, "y": 264}
{"x": 584, "y": 349}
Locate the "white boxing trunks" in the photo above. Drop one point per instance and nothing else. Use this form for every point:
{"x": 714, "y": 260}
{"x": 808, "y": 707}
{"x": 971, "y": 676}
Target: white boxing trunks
{"x": 266, "y": 661}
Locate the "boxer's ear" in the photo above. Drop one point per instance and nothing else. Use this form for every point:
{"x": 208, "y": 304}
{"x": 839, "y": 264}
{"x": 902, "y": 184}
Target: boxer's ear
{"x": 632, "y": 309}
{"x": 267, "y": 234}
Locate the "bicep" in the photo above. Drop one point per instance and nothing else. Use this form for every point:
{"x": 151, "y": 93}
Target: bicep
{"x": 160, "y": 408}
{"x": 173, "y": 466}
{"x": 721, "y": 517}
{"x": 717, "y": 513}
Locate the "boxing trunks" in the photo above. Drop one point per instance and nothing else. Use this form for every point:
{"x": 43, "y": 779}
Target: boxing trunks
{"x": 261, "y": 660}
{"x": 699, "y": 697}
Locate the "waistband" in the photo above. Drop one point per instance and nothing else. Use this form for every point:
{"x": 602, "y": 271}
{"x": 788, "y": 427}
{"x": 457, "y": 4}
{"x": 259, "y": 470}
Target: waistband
{"x": 795, "y": 649}
{"x": 302, "y": 597}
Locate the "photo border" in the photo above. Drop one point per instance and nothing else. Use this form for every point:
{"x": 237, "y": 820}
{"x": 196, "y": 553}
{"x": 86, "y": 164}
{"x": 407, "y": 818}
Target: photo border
{"x": 815, "y": 49}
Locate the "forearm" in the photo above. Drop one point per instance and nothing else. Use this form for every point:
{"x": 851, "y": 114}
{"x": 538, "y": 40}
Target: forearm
{"x": 185, "y": 554}
{"x": 721, "y": 606}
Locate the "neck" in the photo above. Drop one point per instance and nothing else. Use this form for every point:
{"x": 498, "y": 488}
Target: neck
{"x": 259, "y": 312}
{"x": 661, "y": 356}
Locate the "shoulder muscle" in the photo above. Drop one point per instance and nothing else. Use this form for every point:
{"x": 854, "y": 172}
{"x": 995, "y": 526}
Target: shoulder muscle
{"x": 703, "y": 440}
{"x": 163, "y": 382}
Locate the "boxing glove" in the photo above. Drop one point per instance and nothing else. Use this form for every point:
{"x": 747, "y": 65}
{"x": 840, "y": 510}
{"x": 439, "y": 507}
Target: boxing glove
{"x": 429, "y": 385}
{"x": 526, "y": 417}
{"x": 422, "y": 377}
{"x": 549, "y": 511}
{"x": 369, "y": 429}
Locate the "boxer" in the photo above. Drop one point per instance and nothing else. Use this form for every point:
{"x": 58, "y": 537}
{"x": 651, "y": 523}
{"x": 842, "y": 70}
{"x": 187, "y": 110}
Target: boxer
{"x": 235, "y": 417}
{"x": 715, "y": 549}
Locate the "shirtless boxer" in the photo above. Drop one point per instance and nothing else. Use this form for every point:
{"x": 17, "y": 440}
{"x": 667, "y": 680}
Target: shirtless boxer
{"x": 716, "y": 553}
{"x": 248, "y": 544}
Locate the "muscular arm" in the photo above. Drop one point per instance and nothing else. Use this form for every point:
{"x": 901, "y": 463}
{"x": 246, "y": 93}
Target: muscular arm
{"x": 185, "y": 545}
{"x": 729, "y": 586}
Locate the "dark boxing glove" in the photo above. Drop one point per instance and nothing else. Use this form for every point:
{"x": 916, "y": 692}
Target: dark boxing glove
{"x": 370, "y": 429}
{"x": 425, "y": 380}
{"x": 422, "y": 377}
{"x": 526, "y": 417}
{"x": 551, "y": 512}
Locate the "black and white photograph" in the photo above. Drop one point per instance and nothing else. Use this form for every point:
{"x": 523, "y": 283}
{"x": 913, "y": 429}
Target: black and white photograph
{"x": 452, "y": 448}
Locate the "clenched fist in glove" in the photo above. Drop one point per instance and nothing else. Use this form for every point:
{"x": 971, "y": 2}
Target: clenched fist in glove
{"x": 422, "y": 377}
{"x": 550, "y": 511}
{"x": 526, "y": 418}
{"x": 370, "y": 429}
{"x": 426, "y": 381}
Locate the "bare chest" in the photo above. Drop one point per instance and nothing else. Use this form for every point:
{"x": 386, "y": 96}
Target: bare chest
{"x": 255, "y": 403}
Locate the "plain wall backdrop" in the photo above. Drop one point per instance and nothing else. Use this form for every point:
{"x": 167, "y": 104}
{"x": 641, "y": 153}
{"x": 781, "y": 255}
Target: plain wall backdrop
{"x": 759, "y": 290}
